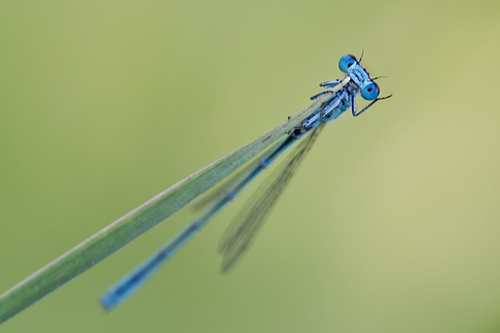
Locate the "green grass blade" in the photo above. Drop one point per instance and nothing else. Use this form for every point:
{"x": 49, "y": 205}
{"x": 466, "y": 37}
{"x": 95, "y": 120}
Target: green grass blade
{"x": 127, "y": 228}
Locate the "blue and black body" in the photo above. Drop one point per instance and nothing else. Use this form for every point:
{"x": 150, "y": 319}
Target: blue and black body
{"x": 241, "y": 232}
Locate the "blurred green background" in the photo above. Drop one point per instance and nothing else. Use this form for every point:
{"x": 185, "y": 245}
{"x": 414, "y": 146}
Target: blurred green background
{"x": 391, "y": 225}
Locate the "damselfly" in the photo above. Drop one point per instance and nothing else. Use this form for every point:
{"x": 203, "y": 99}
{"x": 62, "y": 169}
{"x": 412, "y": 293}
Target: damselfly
{"x": 239, "y": 235}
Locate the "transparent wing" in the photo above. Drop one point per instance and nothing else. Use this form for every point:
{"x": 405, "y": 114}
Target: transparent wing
{"x": 240, "y": 233}
{"x": 235, "y": 177}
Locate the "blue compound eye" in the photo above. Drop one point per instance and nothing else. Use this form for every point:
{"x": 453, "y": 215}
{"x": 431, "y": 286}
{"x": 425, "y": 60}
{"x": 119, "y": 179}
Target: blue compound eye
{"x": 370, "y": 91}
{"x": 347, "y": 61}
